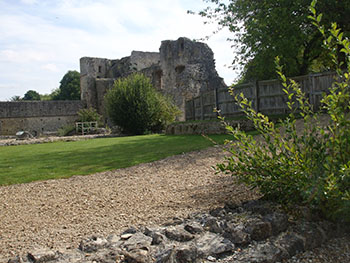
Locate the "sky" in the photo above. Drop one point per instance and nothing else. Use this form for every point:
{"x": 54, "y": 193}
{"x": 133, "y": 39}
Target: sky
{"x": 40, "y": 40}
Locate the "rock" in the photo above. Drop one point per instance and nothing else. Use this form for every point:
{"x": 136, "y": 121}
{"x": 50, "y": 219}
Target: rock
{"x": 70, "y": 256}
{"x": 213, "y": 225}
{"x": 126, "y": 236}
{"x": 292, "y": 243}
{"x": 261, "y": 253}
{"x": 138, "y": 241}
{"x": 212, "y": 259}
{"x": 211, "y": 244}
{"x": 194, "y": 228}
{"x": 258, "y": 230}
{"x": 174, "y": 222}
{"x": 218, "y": 212}
{"x": 186, "y": 254}
{"x": 157, "y": 237}
{"x": 314, "y": 236}
{"x": 279, "y": 222}
{"x": 41, "y": 255}
{"x": 237, "y": 234}
{"x": 166, "y": 256}
{"x": 112, "y": 239}
{"x": 137, "y": 256}
{"x": 202, "y": 237}
{"x": 178, "y": 233}
{"x": 92, "y": 244}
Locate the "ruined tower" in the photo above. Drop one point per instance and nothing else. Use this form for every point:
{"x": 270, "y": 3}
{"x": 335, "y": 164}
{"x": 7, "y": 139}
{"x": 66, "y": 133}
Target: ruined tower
{"x": 182, "y": 69}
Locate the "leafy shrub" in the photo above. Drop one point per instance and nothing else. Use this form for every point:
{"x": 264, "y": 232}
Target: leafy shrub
{"x": 66, "y": 130}
{"x": 135, "y": 106}
{"x": 309, "y": 167}
{"x": 88, "y": 115}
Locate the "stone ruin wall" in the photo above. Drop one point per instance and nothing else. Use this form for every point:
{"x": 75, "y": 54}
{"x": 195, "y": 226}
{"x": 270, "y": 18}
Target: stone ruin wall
{"x": 37, "y": 117}
{"x": 182, "y": 69}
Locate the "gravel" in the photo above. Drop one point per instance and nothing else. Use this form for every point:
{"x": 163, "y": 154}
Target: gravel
{"x": 59, "y": 213}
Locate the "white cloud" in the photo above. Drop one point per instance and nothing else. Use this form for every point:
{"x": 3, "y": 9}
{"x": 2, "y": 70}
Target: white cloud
{"x": 29, "y": 2}
{"x": 50, "y": 67}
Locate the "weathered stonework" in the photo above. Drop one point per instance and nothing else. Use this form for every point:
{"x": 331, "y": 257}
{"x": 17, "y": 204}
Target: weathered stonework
{"x": 182, "y": 69}
{"x": 37, "y": 117}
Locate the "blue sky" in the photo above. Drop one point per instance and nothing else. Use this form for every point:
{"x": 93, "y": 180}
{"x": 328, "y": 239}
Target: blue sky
{"x": 42, "y": 39}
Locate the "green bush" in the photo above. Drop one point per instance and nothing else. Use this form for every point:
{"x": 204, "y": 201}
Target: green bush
{"x": 135, "y": 106}
{"x": 66, "y": 130}
{"x": 310, "y": 167}
{"x": 89, "y": 115}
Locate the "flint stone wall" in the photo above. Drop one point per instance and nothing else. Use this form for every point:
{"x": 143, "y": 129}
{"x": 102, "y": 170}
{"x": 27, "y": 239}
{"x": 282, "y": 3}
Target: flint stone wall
{"x": 37, "y": 117}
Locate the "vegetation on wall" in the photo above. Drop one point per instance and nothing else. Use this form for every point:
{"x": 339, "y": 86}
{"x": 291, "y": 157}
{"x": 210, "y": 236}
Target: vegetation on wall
{"x": 265, "y": 29}
{"x": 138, "y": 108}
{"x": 308, "y": 167}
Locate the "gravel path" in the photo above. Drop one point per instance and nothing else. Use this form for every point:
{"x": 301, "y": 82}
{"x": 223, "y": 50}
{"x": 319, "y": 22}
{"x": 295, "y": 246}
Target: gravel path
{"x": 59, "y": 213}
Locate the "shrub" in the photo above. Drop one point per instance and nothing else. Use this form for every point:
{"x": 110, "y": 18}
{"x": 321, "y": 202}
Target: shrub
{"x": 135, "y": 106}
{"x": 309, "y": 167}
{"x": 88, "y": 115}
{"x": 67, "y": 130}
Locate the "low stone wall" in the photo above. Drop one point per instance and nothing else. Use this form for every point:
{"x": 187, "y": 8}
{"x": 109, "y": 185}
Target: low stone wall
{"x": 209, "y": 127}
{"x": 35, "y": 125}
{"x": 37, "y": 117}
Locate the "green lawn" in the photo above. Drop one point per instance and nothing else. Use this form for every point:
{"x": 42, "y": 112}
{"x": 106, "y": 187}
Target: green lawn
{"x": 27, "y": 163}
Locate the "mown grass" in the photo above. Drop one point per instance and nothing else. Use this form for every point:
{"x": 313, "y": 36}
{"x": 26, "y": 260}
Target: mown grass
{"x": 27, "y": 163}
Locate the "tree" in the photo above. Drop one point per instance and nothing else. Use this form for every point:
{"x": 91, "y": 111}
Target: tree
{"x": 15, "y": 98}
{"x": 264, "y": 29}
{"x": 308, "y": 166}
{"x": 31, "y": 95}
{"x": 69, "y": 87}
{"x": 135, "y": 106}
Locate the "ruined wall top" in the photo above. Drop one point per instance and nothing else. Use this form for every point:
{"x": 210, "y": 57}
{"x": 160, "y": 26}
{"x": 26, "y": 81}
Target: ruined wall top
{"x": 182, "y": 69}
{"x": 140, "y": 60}
{"x": 26, "y": 109}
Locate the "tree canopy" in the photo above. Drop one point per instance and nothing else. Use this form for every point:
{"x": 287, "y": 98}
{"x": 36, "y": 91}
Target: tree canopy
{"x": 264, "y": 29}
{"x": 69, "y": 87}
{"x": 31, "y": 95}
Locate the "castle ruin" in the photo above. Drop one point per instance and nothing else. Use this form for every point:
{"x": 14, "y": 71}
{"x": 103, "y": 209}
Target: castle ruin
{"x": 182, "y": 69}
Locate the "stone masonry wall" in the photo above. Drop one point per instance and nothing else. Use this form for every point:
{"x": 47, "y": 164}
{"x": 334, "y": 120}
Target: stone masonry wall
{"x": 182, "y": 69}
{"x": 38, "y": 117}
{"x": 188, "y": 68}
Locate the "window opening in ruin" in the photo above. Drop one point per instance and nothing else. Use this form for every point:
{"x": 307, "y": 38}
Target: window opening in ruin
{"x": 158, "y": 79}
{"x": 99, "y": 69}
{"x": 179, "y": 69}
{"x": 182, "y": 46}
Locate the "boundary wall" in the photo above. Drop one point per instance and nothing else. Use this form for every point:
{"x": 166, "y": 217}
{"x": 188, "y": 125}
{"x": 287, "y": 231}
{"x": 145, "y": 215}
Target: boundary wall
{"x": 37, "y": 117}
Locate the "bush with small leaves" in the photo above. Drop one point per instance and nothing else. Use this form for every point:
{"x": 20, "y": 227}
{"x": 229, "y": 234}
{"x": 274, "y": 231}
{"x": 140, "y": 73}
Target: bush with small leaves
{"x": 308, "y": 167}
{"x": 135, "y": 106}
